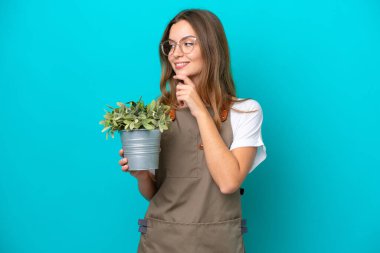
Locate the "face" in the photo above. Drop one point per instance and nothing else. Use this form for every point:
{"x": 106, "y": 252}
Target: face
{"x": 188, "y": 64}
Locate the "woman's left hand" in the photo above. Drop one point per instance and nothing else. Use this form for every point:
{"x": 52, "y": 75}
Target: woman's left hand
{"x": 186, "y": 92}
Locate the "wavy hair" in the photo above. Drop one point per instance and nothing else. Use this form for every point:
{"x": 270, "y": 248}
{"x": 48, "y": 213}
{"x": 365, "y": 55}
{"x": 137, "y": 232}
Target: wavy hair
{"x": 216, "y": 87}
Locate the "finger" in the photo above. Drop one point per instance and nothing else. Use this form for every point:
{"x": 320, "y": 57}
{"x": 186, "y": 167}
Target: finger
{"x": 182, "y": 97}
{"x": 121, "y": 152}
{"x": 182, "y": 87}
{"x": 180, "y": 101}
{"x": 185, "y": 79}
{"x": 123, "y": 161}
{"x": 182, "y": 78}
{"x": 125, "y": 168}
{"x": 181, "y": 92}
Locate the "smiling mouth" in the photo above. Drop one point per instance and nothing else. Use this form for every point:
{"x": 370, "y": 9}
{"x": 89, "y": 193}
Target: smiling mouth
{"x": 180, "y": 65}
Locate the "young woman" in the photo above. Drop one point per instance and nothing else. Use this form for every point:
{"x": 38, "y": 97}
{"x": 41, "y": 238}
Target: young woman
{"x": 213, "y": 143}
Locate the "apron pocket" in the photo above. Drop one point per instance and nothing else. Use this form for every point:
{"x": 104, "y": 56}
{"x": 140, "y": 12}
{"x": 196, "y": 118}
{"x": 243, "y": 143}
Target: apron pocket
{"x": 184, "y": 164}
{"x": 179, "y": 157}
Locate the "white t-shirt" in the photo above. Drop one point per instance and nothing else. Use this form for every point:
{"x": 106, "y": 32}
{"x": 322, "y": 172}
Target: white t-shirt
{"x": 246, "y": 129}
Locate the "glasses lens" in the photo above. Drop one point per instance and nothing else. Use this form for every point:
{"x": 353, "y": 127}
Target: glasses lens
{"x": 187, "y": 45}
{"x": 167, "y": 47}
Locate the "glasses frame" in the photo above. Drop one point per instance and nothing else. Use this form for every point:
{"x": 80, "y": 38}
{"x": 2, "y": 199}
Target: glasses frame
{"x": 179, "y": 43}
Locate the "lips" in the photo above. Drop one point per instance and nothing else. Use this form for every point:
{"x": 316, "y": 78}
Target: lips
{"x": 180, "y": 65}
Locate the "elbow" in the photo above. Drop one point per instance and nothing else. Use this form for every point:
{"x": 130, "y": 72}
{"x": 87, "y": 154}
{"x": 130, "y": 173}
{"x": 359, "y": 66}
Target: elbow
{"x": 229, "y": 189}
{"x": 232, "y": 184}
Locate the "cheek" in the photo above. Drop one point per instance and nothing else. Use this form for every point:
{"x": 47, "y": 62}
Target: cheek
{"x": 198, "y": 62}
{"x": 197, "y": 58}
{"x": 171, "y": 60}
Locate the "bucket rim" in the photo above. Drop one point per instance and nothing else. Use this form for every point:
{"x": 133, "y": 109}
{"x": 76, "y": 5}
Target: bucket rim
{"x": 138, "y": 130}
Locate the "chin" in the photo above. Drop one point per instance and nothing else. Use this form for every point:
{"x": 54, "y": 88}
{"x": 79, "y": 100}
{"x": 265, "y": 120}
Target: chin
{"x": 182, "y": 72}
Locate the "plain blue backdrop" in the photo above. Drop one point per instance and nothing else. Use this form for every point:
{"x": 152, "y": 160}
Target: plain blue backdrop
{"x": 312, "y": 65}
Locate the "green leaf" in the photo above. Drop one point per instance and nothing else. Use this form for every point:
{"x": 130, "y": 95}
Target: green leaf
{"x": 105, "y": 129}
{"x": 132, "y": 115}
{"x": 147, "y": 126}
{"x": 120, "y": 104}
{"x": 152, "y": 105}
{"x": 138, "y": 124}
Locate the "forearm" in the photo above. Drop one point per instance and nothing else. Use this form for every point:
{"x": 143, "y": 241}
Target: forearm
{"x": 223, "y": 166}
{"x": 147, "y": 187}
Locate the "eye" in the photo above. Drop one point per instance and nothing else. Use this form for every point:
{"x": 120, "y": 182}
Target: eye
{"x": 189, "y": 44}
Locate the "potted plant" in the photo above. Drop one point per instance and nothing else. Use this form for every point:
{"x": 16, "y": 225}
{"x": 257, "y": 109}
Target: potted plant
{"x": 140, "y": 127}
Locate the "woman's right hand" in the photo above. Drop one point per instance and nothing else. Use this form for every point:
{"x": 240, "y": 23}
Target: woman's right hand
{"x": 139, "y": 174}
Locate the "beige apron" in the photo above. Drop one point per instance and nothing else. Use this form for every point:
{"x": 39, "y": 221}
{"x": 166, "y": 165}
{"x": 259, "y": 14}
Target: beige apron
{"x": 189, "y": 213}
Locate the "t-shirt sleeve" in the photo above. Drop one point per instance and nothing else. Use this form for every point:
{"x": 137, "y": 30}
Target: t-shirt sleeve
{"x": 247, "y": 132}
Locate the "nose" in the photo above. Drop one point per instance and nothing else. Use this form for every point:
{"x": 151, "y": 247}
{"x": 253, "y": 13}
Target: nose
{"x": 177, "y": 51}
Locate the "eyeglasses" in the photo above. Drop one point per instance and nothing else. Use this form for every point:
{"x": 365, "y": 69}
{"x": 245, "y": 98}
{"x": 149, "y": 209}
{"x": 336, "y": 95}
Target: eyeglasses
{"x": 186, "y": 44}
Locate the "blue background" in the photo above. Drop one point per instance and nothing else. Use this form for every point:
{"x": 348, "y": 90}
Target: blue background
{"x": 312, "y": 65}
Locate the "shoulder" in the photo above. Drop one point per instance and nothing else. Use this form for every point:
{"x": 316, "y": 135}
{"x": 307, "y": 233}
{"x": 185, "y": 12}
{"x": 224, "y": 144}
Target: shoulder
{"x": 246, "y": 115}
{"x": 246, "y": 105}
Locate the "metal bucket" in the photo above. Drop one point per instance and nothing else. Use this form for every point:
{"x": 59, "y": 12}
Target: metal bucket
{"x": 142, "y": 148}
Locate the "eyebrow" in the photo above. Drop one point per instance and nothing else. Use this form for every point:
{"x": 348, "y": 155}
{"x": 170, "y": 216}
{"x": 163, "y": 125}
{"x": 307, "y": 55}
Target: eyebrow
{"x": 183, "y": 37}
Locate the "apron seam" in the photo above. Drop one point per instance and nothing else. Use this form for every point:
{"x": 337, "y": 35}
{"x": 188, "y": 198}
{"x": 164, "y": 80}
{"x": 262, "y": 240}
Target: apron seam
{"x": 195, "y": 223}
